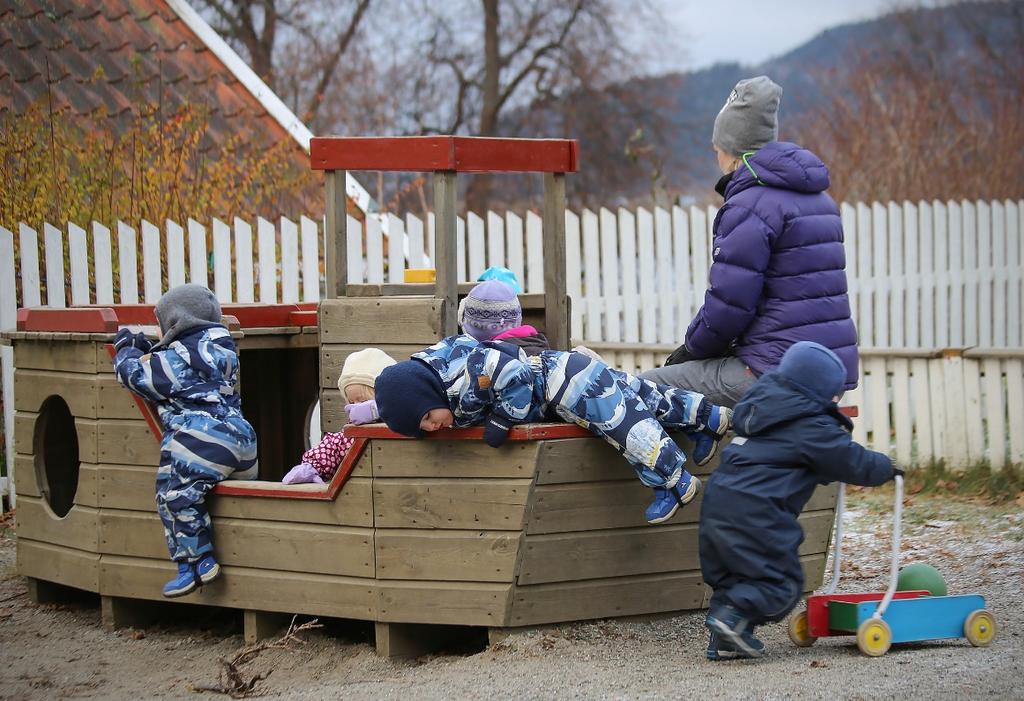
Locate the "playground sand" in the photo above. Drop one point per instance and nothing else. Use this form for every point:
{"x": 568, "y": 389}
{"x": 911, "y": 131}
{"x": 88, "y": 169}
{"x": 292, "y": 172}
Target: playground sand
{"x": 63, "y": 652}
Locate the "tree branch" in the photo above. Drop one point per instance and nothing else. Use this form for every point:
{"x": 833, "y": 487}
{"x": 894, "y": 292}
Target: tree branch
{"x": 327, "y": 70}
{"x": 540, "y": 53}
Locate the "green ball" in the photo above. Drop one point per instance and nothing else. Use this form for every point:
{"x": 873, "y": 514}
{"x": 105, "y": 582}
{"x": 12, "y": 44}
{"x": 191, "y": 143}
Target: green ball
{"x": 919, "y": 575}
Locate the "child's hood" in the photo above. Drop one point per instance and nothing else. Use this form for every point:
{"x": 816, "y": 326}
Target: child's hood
{"x": 184, "y": 309}
{"x": 775, "y": 400}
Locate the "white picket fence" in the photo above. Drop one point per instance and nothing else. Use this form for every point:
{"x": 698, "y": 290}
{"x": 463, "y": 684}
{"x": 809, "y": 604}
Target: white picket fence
{"x": 922, "y": 276}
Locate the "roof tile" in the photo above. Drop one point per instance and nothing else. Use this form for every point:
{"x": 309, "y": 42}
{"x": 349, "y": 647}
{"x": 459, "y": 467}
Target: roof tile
{"x": 121, "y": 56}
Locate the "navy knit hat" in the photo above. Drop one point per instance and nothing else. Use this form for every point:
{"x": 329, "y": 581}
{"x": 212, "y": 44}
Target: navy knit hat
{"x": 815, "y": 368}
{"x": 405, "y": 392}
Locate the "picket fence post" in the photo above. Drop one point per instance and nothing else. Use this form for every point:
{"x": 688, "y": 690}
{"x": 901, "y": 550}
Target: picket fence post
{"x": 8, "y": 321}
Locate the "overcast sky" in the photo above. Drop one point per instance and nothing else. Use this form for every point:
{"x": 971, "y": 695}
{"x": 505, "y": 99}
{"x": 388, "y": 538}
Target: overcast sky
{"x": 750, "y": 31}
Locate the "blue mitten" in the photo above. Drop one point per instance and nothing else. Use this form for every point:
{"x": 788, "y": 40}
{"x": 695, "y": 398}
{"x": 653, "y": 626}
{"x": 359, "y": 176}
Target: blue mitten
{"x": 496, "y": 430}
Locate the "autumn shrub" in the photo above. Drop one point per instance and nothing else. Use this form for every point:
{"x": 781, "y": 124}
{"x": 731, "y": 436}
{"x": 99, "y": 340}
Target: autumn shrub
{"x": 59, "y": 168}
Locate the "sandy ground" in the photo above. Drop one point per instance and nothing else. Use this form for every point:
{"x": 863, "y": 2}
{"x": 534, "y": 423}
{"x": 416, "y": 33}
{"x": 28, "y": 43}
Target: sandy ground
{"x": 62, "y": 651}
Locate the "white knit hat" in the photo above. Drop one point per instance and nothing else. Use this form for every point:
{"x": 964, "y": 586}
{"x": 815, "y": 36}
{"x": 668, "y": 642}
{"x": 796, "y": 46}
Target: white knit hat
{"x": 362, "y": 367}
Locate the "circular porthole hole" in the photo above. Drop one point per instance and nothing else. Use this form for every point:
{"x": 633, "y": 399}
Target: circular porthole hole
{"x": 55, "y": 445}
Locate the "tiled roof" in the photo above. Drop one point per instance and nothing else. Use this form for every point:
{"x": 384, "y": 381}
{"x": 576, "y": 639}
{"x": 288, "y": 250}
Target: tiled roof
{"x": 121, "y": 56}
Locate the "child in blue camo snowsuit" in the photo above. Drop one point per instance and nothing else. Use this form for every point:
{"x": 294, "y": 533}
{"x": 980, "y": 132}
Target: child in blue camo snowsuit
{"x": 192, "y": 377}
{"x": 491, "y": 312}
{"x": 501, "y": 386}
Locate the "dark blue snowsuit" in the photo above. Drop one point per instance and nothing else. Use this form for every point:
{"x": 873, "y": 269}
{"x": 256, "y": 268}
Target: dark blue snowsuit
{"x": 788, "y": 442}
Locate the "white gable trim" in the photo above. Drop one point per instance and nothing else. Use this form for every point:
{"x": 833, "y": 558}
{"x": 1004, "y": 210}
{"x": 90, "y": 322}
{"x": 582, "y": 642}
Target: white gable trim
{"x": 252, "y": 82}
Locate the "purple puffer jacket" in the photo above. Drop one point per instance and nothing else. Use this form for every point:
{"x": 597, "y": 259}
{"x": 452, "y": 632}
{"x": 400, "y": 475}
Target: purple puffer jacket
{"x": 778, "y": 274}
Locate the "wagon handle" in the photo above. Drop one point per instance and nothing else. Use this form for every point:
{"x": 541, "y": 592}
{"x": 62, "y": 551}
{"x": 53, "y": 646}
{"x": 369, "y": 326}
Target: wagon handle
{"x": 838, "y": 554}
{"x": 894, "y": 571}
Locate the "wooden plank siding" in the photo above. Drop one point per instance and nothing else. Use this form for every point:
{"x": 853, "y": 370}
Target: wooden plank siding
{"x": 97, "y": 396}
{"x": 89, "y": 358}
{"x": 270, "y": 545}
{"x": 446, "y": 555}
{"x": 388, "y": 320}
{"x": 488, "y": 504}
{"x": 454, "y": 459}
{"x": 604, "y": 598}
{"x": 436, "y": 532}
{"x": 79, "y": 529}
{"x": 133, "y": 488}
{"x": 245, "y": 588}
{"x": 620, "y": 552}
{"x": 332, "y": 357}
{"x": 58, "y": 563}
{"x": 591, "y": 506}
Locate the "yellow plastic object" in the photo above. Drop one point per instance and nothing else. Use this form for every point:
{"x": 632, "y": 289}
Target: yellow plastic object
{"x": 980, "y": 628}
{"x": 874, "y": 637}
{"x": 798, "y": 630}
{"x": 420, "y": 275}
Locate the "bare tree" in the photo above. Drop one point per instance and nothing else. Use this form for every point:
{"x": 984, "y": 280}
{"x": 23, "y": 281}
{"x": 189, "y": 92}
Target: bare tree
{"x": 480, "y": 67}
{"x": 496, "y": 60}
{"x": 937, "y": 114}
{"x": 295, "y": 46}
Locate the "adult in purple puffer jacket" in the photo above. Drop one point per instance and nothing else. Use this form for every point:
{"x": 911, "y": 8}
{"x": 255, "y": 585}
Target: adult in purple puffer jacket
{"x": 778, "y": 274}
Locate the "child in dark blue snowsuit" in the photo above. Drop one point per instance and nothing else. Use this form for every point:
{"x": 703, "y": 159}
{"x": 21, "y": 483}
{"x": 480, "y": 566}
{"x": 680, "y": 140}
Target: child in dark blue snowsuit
{"x": 501, "y": 386}
{"x": 790, "y": 437}
{"x": 191, "y": 376}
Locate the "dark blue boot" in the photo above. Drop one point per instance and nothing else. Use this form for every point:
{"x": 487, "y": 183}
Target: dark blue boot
{"x": 705, "y": 441}
{"x": 668, "y": 501}
{"x": 734, "y": 630}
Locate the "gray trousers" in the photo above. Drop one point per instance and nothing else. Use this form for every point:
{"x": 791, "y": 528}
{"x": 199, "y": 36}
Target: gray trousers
{"x": 722, "y": 380}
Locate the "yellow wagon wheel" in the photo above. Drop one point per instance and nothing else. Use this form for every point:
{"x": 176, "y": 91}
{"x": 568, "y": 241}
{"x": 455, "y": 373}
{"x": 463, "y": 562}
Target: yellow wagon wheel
{"x": 799, "y": 632}
{"x": 874, "y": 637}
{"x": 980, "y": 628}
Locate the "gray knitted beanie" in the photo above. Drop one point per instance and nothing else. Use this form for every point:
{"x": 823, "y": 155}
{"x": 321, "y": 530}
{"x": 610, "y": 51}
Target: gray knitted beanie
{"x": 750, "y": 117}
{"x": 183, "y": 308}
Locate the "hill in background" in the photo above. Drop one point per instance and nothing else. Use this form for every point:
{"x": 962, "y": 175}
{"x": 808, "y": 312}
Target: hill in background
{"x": 961, "y": 47}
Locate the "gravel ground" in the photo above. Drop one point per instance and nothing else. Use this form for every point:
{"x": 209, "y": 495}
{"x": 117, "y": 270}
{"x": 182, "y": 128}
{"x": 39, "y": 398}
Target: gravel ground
{"x": 63, "y": 652}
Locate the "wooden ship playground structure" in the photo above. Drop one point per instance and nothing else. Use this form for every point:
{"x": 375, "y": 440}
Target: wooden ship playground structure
{"x": 409, "y": 534}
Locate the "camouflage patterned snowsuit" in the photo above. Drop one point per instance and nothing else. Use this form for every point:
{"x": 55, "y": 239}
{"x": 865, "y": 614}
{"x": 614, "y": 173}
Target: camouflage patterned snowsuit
{"x": 193, "y": 383}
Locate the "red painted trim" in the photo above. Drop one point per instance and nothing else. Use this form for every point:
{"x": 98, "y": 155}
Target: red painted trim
{"x": 466, "y": 154}
{"x": 523, "y": 432}
{"x": 272, "y": 489}
{"x": 77, "y": 319}
{"x": 134, "y": 314}
{"x": 107, "y": 319}
{"x": 303, "y": 317}
{"x": 146, "y": 408}
{"x": 281, "y": 491}
{"x": 817, "y": 608}
{"x": 252, "y": 316}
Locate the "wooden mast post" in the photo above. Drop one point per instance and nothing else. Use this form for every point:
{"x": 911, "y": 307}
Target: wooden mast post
{"x": 446, "y": 286}
{"x": 556, "y": 313}
{"x": 336, "y": 273}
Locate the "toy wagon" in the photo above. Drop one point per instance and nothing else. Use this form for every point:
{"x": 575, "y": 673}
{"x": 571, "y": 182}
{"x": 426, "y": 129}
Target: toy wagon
{"x": 447, "y": 530}
{"x": 879, "y": 619}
